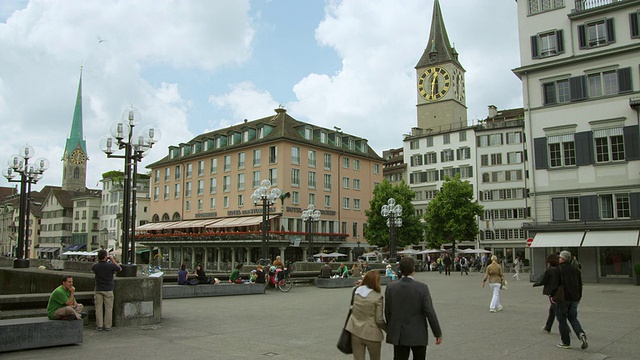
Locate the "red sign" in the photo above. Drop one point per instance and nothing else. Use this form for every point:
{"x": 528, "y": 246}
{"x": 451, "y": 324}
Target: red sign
{"x": 529, "y": 241}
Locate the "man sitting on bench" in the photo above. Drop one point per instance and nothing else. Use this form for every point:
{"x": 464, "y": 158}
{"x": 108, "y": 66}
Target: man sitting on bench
{"x": 62, "y": 304}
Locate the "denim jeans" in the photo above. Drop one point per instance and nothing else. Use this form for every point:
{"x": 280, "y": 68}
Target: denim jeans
{"x": 568, "y": 310}
{"x": 551, "y": 317}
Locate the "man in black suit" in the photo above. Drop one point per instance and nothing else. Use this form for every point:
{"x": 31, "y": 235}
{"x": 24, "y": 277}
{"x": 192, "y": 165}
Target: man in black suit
{"x": 407, "y": 309}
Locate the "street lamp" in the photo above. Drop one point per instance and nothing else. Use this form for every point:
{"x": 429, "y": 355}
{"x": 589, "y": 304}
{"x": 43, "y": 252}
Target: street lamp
{"x": 393, "y": 213}
{"x": 309, "y": 216}
{"x": 29, "y": 174}
{"x": 265, "y": 198}
{"x": 135, "y": 148}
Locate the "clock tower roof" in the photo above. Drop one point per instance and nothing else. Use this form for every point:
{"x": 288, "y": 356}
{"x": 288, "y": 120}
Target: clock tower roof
{"x": 438, "y": 49}
{"x": 75, "y": 136}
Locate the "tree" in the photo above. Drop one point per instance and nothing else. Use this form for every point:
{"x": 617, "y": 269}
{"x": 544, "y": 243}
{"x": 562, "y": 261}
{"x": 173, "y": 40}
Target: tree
{"x": 377, "y": 231}
{"x": 451, "y": 215}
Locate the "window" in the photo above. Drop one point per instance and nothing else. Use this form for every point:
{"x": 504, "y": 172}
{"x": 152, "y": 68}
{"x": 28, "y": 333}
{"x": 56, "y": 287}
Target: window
{"x": 514, "y": 137}
{"x": 414, "y": 144}
{"x": 489, "y": 140}
{"x": 257, "y": 153}
{"x": 446, "y": 155}
{"x": 615, "y": 206}
{"x": 308, "y": 133}
{"x": 295, "y": 197}
{"x": 346, "y": 182}
{"x": 166, "y": 192}
{"x": 466, "y": 172}
{"x": 609, "y": 144}
{"x": 633, "y": 24}
{"x": 562, "y": 150}
{"x": 176, "y": 191}
{"x": 156, "y": 193}
{"x": 187, "y": 189}
{"x": 345, "y": 203}
{"x": 167, "y": 174}
{"x": 547, "y": 44}
{"x": 430, "y": 158}
{"x": 295, "y": 155}
{"x": 214, "y": 165}
{"x": 156, "y": 177}
{"x": 273, "y": 176}
{"x": 241, "y": 160}
{"x": 356, "y": 164}
{"x": 448, "y": 172}
{"x": 240, "y": 200}
{"x": 605, "y": 83}
{"x": 227, "y": 162}
{"x": 463, "y": 153}
{"x": 327, "y": 182}
{"x": 256, "y": 179}
{"x": 556, "y": 92}
{"x": 573, "y": 207}
{"x": 312, "y": 158}
{"x": 484, "y": 160}
{"x": 199, "y": 204}
{"x": 496, "y": 159}
{"x": 312, "y": 199}
{"x": 177, "y": 174}
{"x": 432, "y": 175}
{"x": 187, "y": 205}
{"x": 429, "y": 141}
{"x": 295, "y": 177}
{"x": 345, "y": 162}
{"x": 376, "y": 169}
{"x": 327, "y": 200}
{"x": 200, "y": 187}
{"x": 356, "y": 184}
{"x": 311, "y": 180}
{"x": 514, "y": 157}
{"x": 273, "y": 154}
{"x": 241, "y": 181}
{"x": 189, "y": 170}
{"x": 356, "y": 204}
{"x": 446, "y": 139}
{"x": 212, "y": 203}
{"x": 597, "y": 33}
{"x": 200, "y": 167}
{"x": 225, "y": 202}
{"x": 355, "y": 230}
{"x": 327, "y": 161}
{"x": 537, "y": 6}
{"x": 226, "y": 183}
{"x": 415, "y": 160}
{"x": 213, "y": 186}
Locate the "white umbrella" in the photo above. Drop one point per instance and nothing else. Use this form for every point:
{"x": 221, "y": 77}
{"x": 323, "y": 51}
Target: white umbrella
{"x": 335, "y": 254}
{"x": 409, "y": 252}
{"x": 478, "y": 251}
{"x": 430, "y": 251}
{"x": 320, "y": 255}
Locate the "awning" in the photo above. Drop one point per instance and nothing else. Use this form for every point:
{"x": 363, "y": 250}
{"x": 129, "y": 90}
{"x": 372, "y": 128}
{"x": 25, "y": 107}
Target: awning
{"x": 558, "y": 239}
{"x": 187, "y": 224}
{"x": 75, "y": 247}
{"x": 610, "y": 238}
{"x": 142, "y": 251}
{"x": 238, "y": 221}
{"x": 155, "y": 226}
{"x": 50, "y": 250}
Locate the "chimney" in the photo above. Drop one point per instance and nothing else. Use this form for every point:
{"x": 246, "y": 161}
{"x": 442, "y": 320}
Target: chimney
{"x": 493, "y": 111}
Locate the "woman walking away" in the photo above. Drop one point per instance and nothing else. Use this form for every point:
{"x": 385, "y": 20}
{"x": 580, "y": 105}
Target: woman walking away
{"x": 550, "y": 280}
{"x": 494, "y": 274}
{"x": 517, "y": 267}
{"x": 366, "y": 322}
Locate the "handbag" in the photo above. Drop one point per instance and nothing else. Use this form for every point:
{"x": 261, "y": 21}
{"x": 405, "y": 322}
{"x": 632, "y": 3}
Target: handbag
{"x": 344, "y": 341}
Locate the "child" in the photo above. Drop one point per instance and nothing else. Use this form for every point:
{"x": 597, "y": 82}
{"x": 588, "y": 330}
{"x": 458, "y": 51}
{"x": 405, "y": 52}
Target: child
{"x": 252, "y": 277}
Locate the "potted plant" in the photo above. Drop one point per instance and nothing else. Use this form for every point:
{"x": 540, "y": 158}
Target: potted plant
{"x": 636, "y": 268}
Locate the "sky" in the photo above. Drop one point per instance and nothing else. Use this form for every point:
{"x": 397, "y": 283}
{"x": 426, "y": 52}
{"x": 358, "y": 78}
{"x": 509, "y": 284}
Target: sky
{"x": 191, "y": 67}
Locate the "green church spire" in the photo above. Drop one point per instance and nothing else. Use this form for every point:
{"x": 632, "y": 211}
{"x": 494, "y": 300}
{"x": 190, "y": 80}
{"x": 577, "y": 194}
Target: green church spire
{"x": 75, "y": 137}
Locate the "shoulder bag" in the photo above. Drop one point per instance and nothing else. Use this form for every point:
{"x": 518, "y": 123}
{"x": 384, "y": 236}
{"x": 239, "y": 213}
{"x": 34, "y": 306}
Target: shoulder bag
{"x": 344, "y": 342}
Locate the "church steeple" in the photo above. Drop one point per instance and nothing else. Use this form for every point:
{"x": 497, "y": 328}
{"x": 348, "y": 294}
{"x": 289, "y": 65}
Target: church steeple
{"x": 438, "y": 48}
{"x": 74, "y": 157}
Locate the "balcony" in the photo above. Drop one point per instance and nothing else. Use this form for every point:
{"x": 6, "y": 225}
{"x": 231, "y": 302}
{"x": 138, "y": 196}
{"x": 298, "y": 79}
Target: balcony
{"x": 584, "y": 5}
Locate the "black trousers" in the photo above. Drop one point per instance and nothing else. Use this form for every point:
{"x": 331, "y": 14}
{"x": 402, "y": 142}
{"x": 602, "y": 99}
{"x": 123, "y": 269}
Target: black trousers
{"x": 401, "y": 352}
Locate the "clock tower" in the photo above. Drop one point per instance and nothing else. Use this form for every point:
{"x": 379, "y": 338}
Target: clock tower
{"x": 74, "y": 158}
{"x": 440, "y": 81}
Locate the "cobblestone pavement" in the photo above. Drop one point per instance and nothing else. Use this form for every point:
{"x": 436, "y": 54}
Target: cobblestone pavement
{"x": 306, "y": 322}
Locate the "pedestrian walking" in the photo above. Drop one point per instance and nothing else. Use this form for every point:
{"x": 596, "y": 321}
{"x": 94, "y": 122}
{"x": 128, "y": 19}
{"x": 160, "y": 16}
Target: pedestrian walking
{"x": 567, "y": 307}
{"x": 409, "y": 307}
{"x": 517, "y": 267}
{"x": 446, "y": 261}
{"x": 495, "y": 276}
{"x": 366, "y": 322}
{"x": 464, "y": 266}
{"x": 550, "y": 280}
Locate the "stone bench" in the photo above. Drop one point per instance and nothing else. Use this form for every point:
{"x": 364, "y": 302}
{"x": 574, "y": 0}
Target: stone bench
{"x": 187, "y": 291}
{"x": 14, "y": 306}
{"x": 31, "y": 333}
{"x": 345, "y": 282}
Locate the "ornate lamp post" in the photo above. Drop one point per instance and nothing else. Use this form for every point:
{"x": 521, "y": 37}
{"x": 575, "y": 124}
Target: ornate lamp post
{"x": 29, "y": 174}
{"x": 135, "y": 148}
{"x": 393, "y": 213}
{"x": 265, "y": 198}
{"x": 310, "y": 216}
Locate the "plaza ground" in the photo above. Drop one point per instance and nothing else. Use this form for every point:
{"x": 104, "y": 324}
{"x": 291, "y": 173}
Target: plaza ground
{"x": 306, "y": 322}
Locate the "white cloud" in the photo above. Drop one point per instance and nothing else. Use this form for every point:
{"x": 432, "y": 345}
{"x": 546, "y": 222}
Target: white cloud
{"x": 245, "y": 102}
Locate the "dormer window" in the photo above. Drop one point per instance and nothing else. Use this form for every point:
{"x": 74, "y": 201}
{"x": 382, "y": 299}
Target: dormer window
{"x": 308, "y": 133}
{"x": 323, "y": 137}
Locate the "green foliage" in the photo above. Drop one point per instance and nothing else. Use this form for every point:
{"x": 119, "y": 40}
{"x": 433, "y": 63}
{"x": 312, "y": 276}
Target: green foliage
{"x": 636, "y": 268}
{"x": 377, "y": 231}
{"x": 452, "y": 215}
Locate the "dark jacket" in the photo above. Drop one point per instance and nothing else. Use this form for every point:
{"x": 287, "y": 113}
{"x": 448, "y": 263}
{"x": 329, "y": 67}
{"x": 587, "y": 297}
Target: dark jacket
{"x": 571, "y": 278}
{"x": 550, "y": 280}
{"x": 408, "y": 308}
{"x": 325, "y": 271}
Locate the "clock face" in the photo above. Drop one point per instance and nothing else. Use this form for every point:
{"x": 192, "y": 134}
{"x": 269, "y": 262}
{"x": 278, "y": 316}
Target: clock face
{"x": 77, "y": 157}
{"x": 434, "y": 83}
{"x": 458, "y": 78}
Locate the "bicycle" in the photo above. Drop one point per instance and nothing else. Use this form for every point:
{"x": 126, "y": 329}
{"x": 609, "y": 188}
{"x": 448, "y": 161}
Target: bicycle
{"x": 284, "y": 282}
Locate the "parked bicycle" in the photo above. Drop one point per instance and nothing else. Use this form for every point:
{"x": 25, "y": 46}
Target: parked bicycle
{"x": 280, "y": 278}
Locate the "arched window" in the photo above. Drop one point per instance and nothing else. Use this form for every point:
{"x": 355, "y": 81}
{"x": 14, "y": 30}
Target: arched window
{"x": 176, "y": 216}
{"x": 155, "y": 218}
{"x": 76, "y": 173}
{"x": 165, "y": 217}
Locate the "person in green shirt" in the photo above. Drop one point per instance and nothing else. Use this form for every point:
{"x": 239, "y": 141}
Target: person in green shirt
{"x": 62, "y": 303}
{"x": 235, "y": 275}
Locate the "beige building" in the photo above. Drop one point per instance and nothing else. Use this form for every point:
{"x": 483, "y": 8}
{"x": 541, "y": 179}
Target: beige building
{"x": 201, "y": 192}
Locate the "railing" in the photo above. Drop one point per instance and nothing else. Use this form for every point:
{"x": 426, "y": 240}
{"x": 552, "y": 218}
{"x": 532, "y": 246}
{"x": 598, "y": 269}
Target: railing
{"x": 582, "y": 5}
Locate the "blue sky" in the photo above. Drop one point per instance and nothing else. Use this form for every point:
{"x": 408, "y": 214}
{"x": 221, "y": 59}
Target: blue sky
{"x": 196, "y": 66}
